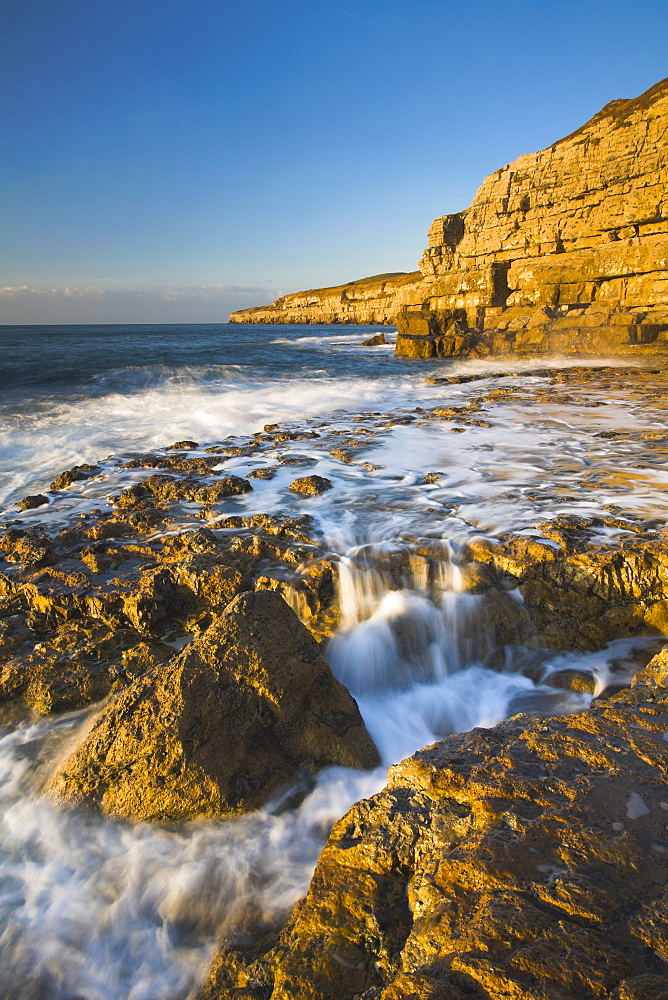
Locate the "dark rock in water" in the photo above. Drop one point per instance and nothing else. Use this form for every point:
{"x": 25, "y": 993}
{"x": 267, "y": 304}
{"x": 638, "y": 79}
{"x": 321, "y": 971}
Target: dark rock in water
{"x": 166, "y": 489}
{"x": 183, "y": 446}
{"x": 311, "y": 485}
{"x": 179, "y": 462}
{"x": 239, "y": 712}
{"x": 74, "y": 475}
{"x": 32, "y": 501}
{"x": 524, "y": 861}
{"x": 375, "y": 341}
{"x": 430, "y": 478}
{"x": 261, "y": 474}
{"x": 571, "y": 680}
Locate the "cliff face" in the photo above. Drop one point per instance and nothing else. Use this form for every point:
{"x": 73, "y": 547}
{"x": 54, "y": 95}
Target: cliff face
{"x": 370, "y": 300}
{"x": 564, "y": 249}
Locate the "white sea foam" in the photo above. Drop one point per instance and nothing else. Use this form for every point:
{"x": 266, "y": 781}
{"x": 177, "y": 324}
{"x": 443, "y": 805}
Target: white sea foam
{"x": 106, "y": 910}
{"x": 100, "y": 910}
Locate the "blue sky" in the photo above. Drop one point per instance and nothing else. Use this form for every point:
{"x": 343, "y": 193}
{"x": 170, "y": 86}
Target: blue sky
{"x": 166, "y": 160}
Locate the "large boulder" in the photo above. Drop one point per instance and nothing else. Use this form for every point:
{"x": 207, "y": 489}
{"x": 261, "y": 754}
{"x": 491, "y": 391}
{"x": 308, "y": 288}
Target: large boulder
{"x": 524, "y": 861}
{"x": 241, "y": 711}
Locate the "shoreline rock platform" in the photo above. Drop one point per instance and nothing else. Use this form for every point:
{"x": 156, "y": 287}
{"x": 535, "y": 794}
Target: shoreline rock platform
{"x": 563, "y": 250}
{"x": 526, "y": 860}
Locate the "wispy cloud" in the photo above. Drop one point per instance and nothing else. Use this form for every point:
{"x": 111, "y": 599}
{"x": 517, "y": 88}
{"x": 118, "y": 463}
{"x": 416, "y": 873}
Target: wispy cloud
{"x": 148, "y": 304}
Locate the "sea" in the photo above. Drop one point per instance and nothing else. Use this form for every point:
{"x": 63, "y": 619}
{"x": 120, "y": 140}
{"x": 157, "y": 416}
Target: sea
{"x": 94, "y": 909}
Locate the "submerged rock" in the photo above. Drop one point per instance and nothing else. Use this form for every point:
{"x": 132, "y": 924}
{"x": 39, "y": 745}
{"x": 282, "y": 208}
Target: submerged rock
{"x": 525, "y": 861}
{"x": 244, "y": 709}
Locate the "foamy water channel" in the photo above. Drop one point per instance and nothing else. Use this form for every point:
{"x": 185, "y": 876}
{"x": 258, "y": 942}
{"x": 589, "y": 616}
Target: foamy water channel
{"x": 97, "y": 910}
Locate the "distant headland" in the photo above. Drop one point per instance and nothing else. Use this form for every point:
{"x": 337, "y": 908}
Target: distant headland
{"x": 562, "y": 250}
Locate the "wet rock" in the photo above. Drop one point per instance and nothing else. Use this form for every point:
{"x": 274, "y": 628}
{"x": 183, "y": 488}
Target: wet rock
{"x": 183, "y": 446}
{"x": 655, "y": 674}
{"x": 210, "y": 581}
{"x": 581, "y": 595}
{"x": 310, "y": 485}
{"x": 310, "y": 591}
{"x": 571, "y": 680}
{"x": 170, "y": 489}
{"x": 297, "y": 460}
{"x": 282, "y": 527}
{"x": 74, "y": 475}
{"x": 283, "y": 435}
{"x": 78, "y": 663}
{"x": 375, "y": 341}
{"x": 179, "y": 463}
{"x": 30, "y": 546}
{"x": 261, "y": 474}
{"x": 524, "y": 861}
{"x": 71, "y": 593}
{"x": 32, "y": 501}
{"x": 241, "y": 711}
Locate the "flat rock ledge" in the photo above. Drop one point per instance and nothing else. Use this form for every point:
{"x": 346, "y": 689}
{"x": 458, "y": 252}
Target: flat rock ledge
{"x": 526, "y": 861}
{"x": 245, "y": 709}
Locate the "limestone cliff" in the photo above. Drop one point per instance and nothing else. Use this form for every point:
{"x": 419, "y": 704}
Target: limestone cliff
{"x": 564, "y": 249}
{"x": 368, "y": 300}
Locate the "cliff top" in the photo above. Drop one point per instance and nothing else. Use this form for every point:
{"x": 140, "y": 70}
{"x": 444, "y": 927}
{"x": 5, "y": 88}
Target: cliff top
{"x": 619, "y": 110}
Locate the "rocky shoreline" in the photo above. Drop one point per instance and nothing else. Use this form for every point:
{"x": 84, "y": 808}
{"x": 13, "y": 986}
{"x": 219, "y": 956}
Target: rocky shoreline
{"x": 527, "y": 860}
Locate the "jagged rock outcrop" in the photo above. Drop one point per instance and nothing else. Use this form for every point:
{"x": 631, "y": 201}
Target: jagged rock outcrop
{"x": 243, "y": 709}
{"x": 562, "y": 250}
{"x": 369, "y": 300}
{"x": 525, "y": 861}
{"x": 581, "y": 595}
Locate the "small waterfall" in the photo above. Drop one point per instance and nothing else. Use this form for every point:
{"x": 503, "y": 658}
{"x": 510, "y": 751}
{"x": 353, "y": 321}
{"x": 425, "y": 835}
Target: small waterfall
{"x": 407, "y": 618}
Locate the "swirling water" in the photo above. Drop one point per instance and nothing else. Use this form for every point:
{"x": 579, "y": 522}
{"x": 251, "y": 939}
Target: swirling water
{"x": 98, "y": 910}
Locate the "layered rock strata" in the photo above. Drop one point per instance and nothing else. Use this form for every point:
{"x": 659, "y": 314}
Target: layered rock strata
{"x": 369, "y": 300}
{"x": 525, "y": 861}
{"x": 562, "y": 250}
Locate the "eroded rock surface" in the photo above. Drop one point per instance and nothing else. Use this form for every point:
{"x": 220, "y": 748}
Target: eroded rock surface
{"x": 311, "y": 485}
{"x": 580, "y": 595}
{"x": 86, "y": 611}
{"x": 247, "y": 707}
{"x": 525, "y": 861}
